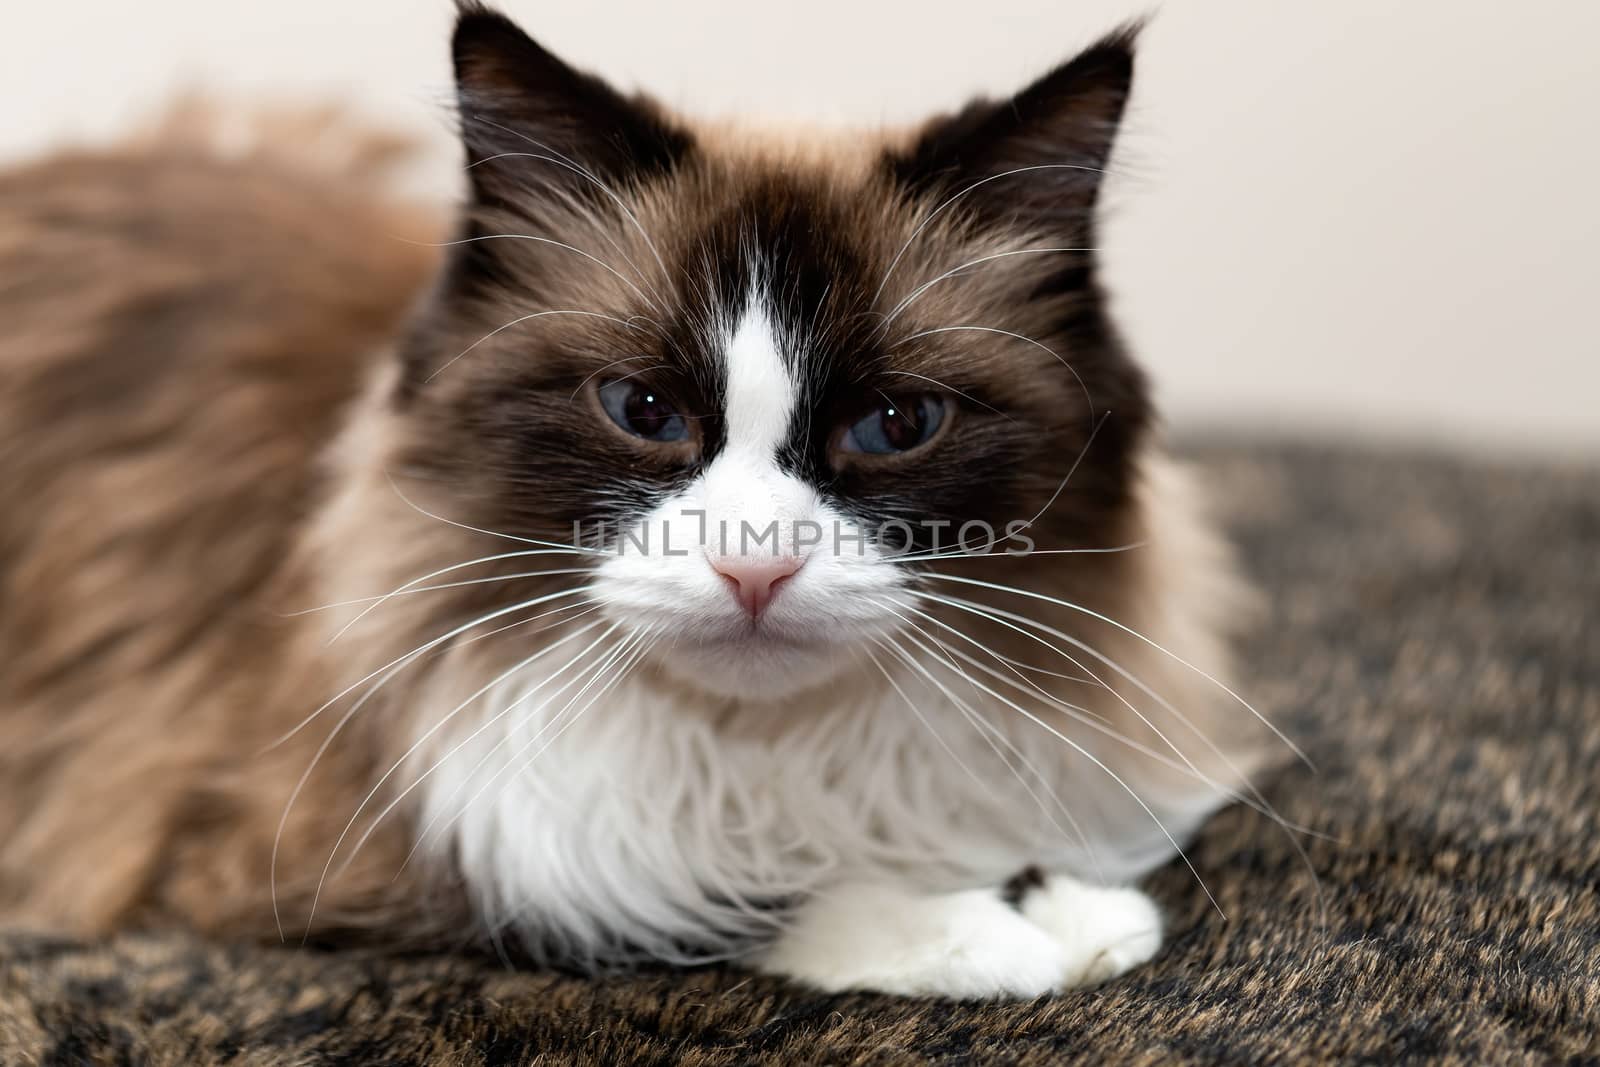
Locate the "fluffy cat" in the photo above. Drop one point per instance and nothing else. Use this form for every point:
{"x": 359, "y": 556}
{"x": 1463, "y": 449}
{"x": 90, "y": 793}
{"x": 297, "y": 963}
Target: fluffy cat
{"x": 723, "y": 546}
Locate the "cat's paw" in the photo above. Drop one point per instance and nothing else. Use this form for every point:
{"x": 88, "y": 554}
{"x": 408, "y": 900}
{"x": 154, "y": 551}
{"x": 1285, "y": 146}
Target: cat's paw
{"x": 1102, "y": 932}
{"x": 968, "y": 945}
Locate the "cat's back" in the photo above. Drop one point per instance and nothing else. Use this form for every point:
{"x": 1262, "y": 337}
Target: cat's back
{"x": 181, "y": 323}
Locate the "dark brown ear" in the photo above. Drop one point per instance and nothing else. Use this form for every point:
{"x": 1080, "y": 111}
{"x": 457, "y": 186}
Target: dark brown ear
{"x": 1056, "y": 135}
{"x": 531, "y": 123}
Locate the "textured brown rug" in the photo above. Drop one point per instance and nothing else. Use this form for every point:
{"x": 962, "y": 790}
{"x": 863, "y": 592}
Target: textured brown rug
{"x": 1433, "y": 644}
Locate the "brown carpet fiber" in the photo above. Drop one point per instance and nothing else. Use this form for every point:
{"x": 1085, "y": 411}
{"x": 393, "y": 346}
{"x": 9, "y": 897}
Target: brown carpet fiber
{"x": 1433, "y": 645}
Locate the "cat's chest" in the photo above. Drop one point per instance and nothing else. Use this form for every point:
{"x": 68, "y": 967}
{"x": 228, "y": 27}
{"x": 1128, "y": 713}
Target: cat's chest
{"x": 640, "y": 789}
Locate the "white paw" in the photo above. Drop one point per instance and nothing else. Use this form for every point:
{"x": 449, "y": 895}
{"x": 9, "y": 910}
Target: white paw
{"x": 1102, "y": 932}
{"x": 968, "y": 945}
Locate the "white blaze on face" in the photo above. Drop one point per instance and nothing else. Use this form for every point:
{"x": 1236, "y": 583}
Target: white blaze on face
{"x": 761, "y": 393}
{"x": 744, "y": 484}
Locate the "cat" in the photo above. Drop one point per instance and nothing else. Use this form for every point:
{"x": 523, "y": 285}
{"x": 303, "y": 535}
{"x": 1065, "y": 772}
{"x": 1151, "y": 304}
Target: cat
{"x": 710, "y": 543}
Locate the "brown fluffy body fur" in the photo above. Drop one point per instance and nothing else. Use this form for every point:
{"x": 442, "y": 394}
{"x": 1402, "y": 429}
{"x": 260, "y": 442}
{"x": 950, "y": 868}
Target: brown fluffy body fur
{"x": 183, "y": 332}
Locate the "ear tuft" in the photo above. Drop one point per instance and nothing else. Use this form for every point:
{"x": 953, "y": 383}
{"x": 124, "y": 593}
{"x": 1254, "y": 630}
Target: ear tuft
{"x": 517, "y": 100}
{"x": 1057, "y": 133}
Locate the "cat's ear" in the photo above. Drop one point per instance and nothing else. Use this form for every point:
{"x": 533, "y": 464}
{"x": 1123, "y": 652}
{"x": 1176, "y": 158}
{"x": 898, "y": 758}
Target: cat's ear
{"x": 531, "y": 124}
{"x": 1037, "y": 159}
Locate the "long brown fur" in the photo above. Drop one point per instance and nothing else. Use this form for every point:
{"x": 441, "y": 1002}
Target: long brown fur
{"x": 182, "y": 331}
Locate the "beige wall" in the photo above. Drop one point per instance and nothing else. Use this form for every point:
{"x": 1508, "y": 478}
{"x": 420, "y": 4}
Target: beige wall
{"x": 1350, "y": 216}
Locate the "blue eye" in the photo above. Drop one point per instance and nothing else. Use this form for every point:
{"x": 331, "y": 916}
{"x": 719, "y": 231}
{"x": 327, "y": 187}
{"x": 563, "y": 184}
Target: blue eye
{"x": 894, "y": 427}
{"x": 643, "y": 411}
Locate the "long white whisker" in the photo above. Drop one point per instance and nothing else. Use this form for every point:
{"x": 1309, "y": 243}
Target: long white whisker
{"x": 569, "y": 162}
{"x": 443, "y": 722}
{"x": 983, "y": 726}
{"x": 965, "y": 396}
{"x": 606, "y": 658}
{"x": 1086, "y": 754}
{"x": 334, "y": 852}
{"x": 432, "y": 574}
{"x": 925, "y": 286}
{"x": 478, "y": 529}
{"x": 476, "y": 581}
{"x": 1011, "y": 589}
{"x": 327, "y": 742}
{"x": 630, "y": 658}
{"x": 936, "y": 212}
{"x": 630, "y": 650}
{"x": 419, "y": 650}
{"x": 1259, "y": 804}
{"x": 988, "y": 732}
{"x": 908, "y": 338}
{"x": 1018, "y": 555}
{"x": 1084, "y": 711}
{"x": 923, "y": 719}
{"x": 1095, "y": 722}
{"x": 999, "y": 616}
{"x": 519, "y": 321}
{"x": 496, "y": 579}
{"x": 602, "y": 264}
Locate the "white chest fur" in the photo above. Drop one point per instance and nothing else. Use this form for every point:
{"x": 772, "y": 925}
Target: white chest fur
{"x": 640, "y": 826}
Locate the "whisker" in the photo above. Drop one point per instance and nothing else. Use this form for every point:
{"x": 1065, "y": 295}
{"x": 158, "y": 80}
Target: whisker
{"x": 1259, "y": 803}
{"x": 1092, "y": 680}
{"x": 425, "y": 577}
{"x": 410, "y": 656}
{"x": 1011, "y": 589}
{"x": 923, "y": 719}
{"x": 458, "y": 585}
{"x": 1084, "y": 711}
{"x": 983, "y": 725}
{"x": 568, "y": 161}
{"x": 442, "y": 723}
{"x": 477, "y": 529}
{"x": 1061, "y": 487}
{"x": 327, "y": 742}
{"x": 1137, "y": 799}
{"x": 965, "y": 396}
{"x": 593, "y": 374}
{"x": 630, "y": 650}
{"x": 999, "y": 617}
{"x": 936, "y": 212}
{"x": 988, "y": 732}
{"x": 1097, "y": 723}
{"x": 519, "y": 321}
{"x": 606, "y": 659}
{"x": 597, "y": 261}
{"x": 1088, "y": 399}
{"x": 476, "y": 581}
{"x": 925, "y": 286}
{"x": 962, "y": 554}
{"x": 633, "y": 655}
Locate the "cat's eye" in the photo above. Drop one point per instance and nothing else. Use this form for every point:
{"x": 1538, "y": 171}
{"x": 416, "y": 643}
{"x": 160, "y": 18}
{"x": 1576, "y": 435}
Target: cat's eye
{"x": 643, "y": 411}
{"x": 894, "y": 426}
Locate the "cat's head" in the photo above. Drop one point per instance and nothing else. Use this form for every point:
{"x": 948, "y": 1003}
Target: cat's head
{"x": 761, "y": 382}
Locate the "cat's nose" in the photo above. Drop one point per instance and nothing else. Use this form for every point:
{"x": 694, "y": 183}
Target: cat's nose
{"x": 754, "y": 580}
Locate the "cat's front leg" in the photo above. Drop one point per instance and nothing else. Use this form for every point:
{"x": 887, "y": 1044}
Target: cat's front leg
{"x": 1037, "y": 935}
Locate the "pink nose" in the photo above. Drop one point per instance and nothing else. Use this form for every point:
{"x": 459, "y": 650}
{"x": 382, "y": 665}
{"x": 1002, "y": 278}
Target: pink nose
{"x": 754, "y": 580}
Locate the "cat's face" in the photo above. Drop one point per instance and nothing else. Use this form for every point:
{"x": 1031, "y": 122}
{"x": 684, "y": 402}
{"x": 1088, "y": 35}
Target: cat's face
{"x": 765, "y": 386}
